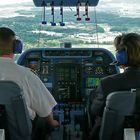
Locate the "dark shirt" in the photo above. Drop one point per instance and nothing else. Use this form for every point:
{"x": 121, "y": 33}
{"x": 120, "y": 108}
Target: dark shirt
{"x": 123, "y": 81}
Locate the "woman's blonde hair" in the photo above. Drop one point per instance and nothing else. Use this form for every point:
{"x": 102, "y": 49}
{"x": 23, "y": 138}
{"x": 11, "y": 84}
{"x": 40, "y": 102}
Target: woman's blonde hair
{"x": 130, "y": 43}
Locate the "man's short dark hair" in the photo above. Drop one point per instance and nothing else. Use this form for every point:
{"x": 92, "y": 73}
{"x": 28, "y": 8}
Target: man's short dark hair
{"x": 6, "y": 41}
{"x": 6, "y": 33}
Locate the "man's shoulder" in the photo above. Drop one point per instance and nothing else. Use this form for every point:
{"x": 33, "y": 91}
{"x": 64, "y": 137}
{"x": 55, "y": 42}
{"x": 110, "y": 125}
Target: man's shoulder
{"x": 23, "y": 69}
{"x": 114, "y": 80}
{"x": 33, "y": 71}
{"x": 26, "y": 70}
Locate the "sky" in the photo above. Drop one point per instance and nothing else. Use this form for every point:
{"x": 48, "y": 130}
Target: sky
{"x": 3, "y": 2}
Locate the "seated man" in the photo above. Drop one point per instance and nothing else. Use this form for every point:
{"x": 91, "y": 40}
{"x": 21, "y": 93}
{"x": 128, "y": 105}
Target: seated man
{"x": 128, "y": 57}
{"x": 38, "y": 99}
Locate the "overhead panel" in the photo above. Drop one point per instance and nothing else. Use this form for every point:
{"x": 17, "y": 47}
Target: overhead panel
{"x": 40, "y": 3}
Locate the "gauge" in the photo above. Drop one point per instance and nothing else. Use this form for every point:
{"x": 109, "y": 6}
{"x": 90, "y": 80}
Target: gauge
{"x": 89, "y": 70}
{"x": 109, "y": 70}
{"x": 99, "y": 60}
{"x": 99, "y": 70}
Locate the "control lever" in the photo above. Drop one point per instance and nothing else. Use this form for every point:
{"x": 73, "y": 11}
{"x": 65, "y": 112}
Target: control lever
{"x": 64, "y": 133}
{"x": 44, "y": 12}
{"x": 67, "y": 117}
{"x": 52, "y": 13}
{"x": 78, "y": 11}
{"x": 77, "y": 130}
{"x": 86, "y": 11}
{"x": 61, "y": 13}
{"x": 78, "y": 120}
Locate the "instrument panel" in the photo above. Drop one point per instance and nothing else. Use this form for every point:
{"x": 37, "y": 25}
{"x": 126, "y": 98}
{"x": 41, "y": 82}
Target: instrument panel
{"x": 69, "y": 73}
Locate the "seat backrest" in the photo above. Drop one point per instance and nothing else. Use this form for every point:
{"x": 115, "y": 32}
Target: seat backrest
{"x": 18, "y": 121}
{"x": 118, "y": 105}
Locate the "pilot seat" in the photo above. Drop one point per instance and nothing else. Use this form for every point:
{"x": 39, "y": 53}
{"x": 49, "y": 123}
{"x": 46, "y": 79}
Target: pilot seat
{"x": 121, "y": 117}
{"x": 14, "y": 118}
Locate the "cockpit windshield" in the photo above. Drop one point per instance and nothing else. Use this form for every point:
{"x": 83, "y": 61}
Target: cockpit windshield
{"x": 108, "y": 19}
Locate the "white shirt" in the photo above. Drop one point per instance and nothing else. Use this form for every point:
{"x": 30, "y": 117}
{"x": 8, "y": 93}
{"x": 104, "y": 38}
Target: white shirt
{"x": 38, "y": 98}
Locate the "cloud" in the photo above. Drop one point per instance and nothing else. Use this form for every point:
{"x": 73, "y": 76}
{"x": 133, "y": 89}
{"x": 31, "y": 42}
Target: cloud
{"x": 5, "y": 2}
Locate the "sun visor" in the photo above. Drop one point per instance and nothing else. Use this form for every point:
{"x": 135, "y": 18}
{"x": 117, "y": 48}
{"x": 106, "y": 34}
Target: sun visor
{"x": 67, "y": 3}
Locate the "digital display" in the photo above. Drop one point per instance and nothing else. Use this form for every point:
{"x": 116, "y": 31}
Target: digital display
{"x": 92, "y": 82}
{"x": 66, "y": 74}
{"x": 62, "y": 74}
{"x": 67, "y": 82}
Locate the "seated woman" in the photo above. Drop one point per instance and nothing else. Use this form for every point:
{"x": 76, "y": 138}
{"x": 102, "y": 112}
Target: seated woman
{"x": 128, "y": 57}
